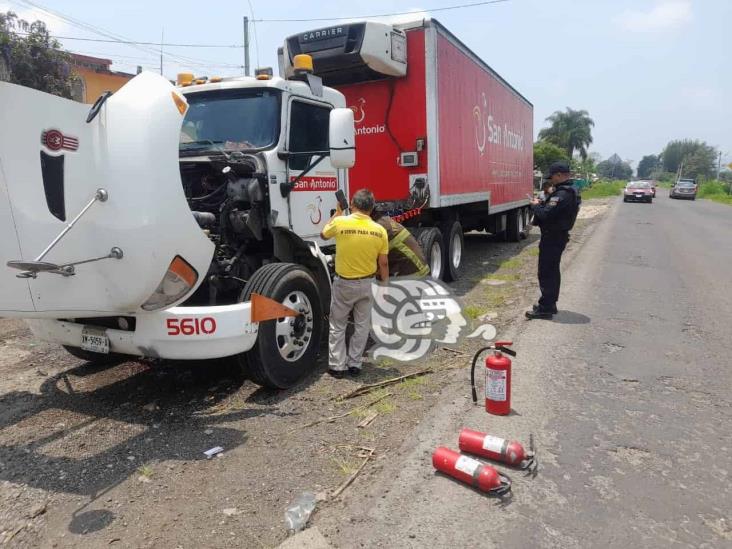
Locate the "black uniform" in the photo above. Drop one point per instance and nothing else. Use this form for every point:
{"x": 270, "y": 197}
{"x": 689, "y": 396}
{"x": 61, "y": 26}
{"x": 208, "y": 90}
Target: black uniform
{"x": 555, "y": 217}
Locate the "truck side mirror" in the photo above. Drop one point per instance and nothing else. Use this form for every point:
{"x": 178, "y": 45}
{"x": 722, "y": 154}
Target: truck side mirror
{"x": 342, "y": 138}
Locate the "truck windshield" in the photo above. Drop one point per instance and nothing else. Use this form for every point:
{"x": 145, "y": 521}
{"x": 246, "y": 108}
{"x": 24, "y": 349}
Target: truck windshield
{"x": 233, "y": 120}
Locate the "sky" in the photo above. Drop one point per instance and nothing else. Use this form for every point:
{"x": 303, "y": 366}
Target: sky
{"x": 647, "y": 71}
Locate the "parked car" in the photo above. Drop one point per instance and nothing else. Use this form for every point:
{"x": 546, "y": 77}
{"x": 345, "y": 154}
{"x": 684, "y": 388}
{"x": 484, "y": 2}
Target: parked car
{"x": 684, "y": 188}
{"x": 638, "y": 191}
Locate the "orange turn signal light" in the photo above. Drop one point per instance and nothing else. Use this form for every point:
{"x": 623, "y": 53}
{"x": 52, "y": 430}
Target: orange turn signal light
{"x": 180, "y": 103}
{"x": 180, "y": 267}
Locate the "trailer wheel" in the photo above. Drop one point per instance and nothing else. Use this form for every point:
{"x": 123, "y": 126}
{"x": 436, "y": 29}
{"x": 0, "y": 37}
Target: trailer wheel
{"x": 453, "y": 246}
{"x": 431, "y": 242}
{"x": 525, "y": 220}
{"x": 95, "y": 358}
{"x": 286, "y": 348}
{"x": 514, "y": 226}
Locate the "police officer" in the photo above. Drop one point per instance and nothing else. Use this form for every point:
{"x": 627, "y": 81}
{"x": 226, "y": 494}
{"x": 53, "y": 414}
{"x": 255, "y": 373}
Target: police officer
{"x": 555, "y": 216}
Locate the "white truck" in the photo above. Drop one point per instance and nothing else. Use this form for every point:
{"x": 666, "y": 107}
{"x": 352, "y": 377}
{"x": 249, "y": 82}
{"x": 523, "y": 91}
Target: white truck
{"x": 123, "y": 235}
{"x": 183, "y": 222}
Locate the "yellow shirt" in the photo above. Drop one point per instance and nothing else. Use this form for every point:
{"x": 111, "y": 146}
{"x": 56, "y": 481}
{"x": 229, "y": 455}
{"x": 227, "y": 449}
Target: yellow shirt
{"x": 359, "y": 242}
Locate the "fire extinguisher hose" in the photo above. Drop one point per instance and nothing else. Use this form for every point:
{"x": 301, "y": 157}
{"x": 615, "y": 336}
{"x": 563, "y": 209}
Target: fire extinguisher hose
{"x": 472, "y": 371}
{"x": 498, "y": 346}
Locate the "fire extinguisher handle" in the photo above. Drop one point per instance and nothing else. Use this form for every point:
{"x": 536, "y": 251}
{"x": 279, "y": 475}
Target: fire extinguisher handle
{"x": 505, "y": 350}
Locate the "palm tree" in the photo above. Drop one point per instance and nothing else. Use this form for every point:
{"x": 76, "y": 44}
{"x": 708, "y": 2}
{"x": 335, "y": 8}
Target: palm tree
{"x": 571, "y": 130}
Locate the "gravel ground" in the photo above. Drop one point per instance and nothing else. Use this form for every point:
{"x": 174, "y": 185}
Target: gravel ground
{"x": 104, "y": 457}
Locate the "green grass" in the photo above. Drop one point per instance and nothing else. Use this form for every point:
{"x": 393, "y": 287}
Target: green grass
{"x": 385, "y": 406}
{"x": 472, "y": 312}
{"x": 602, "y": 189}
{"x": 534, "y": 250}
{"x": 345, "y": 466}
{"x": 507, "y": 277}
{"x": 716, "y": 191}
{"x": 509, "y": 264}
{"x": 145, "y": 471}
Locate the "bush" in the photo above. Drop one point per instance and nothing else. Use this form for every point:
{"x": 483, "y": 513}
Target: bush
{"x": 710, "y": 188}
{"x": 602, "y": 189}
{"x": 715, "y": 190}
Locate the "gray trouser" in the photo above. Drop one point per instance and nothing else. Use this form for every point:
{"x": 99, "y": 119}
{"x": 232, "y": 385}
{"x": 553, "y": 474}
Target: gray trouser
{"x": 349, "y": 295}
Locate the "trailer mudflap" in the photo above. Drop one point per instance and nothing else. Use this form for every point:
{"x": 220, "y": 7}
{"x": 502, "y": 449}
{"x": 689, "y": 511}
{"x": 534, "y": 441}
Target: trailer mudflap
{"x": 121, "y": 170}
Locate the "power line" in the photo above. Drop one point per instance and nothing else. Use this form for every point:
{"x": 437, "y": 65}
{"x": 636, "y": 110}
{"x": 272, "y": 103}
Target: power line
{"x": 177, "y": 58}
{"x": 136, "y": 43}
{"x": 446, "y": 8}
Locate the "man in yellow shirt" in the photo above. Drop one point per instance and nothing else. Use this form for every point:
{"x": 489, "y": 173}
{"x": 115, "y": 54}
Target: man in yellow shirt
{"x": 362, "y": 249}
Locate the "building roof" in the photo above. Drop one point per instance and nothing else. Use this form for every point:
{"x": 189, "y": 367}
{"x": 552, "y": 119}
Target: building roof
{"x": 98, "y": 64}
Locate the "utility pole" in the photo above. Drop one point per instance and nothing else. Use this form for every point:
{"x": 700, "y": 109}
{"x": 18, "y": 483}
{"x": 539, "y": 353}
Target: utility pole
{"x": 719, "y": 165}
{"x": 246, "y": 46}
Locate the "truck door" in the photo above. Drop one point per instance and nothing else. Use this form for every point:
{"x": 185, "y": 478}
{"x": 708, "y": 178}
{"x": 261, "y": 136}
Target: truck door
{"x": 52, "y": 162}
{"x": 313, "y": 198}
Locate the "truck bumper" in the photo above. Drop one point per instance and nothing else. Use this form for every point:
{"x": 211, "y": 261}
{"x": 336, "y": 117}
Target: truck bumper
{"x": 180, "y": 333}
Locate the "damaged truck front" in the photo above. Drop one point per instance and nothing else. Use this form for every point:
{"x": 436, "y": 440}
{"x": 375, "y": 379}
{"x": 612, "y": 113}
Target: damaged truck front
{"x": 166, "y": 222}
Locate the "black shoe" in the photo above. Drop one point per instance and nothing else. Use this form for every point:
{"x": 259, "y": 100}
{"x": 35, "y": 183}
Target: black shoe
{"x": 537, "y": 309}
{"x": 539, "y": 314}
{"x": 338, "y": 374}
{"x": 355, "y": 372}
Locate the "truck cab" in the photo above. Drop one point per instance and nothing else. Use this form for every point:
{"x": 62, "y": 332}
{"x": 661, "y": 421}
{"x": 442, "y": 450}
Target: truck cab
{"x": 176, "y": 222}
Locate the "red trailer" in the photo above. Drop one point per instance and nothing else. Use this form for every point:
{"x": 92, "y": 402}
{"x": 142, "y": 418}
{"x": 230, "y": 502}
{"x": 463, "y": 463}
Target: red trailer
{"x": 443, "y": 141}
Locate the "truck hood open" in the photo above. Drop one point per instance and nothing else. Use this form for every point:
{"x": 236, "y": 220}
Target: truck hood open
{"x": 52, "y": 162}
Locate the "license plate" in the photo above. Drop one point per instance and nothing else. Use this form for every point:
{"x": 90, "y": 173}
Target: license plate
{"x": 95, "y": 340}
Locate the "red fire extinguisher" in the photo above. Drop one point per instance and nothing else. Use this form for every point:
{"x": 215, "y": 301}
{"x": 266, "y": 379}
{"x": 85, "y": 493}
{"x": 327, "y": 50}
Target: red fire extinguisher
{"x": 499, "y": 449}
{"x": 497, "y": 378}
{"x": 470, "y": 471}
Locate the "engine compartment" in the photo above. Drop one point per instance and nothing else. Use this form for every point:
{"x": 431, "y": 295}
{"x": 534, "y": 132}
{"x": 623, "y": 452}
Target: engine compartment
{"x": 227, "y": 195}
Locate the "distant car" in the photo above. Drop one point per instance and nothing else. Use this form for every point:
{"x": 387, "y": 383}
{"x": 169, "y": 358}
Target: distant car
{"x": 638, "y": 191}
{"x": 684, "y": 188}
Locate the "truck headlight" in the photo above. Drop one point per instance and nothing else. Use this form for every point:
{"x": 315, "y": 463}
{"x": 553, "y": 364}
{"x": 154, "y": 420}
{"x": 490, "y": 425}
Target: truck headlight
{"x": 177, "y": 282}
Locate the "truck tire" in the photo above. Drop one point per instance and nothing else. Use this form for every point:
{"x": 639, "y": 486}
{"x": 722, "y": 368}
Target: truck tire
{"x": 525, "y": 217}
{"x": 286, "y": 348}
{"x": 453, "y": 245}
{"x": 514, "y": 226}
{"x": 430, "y": 239}
{"x": 95, "y": 358}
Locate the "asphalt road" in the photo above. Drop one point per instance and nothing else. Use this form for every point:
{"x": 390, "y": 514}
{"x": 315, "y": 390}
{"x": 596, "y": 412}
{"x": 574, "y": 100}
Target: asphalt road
{"x": 627, "y": 392}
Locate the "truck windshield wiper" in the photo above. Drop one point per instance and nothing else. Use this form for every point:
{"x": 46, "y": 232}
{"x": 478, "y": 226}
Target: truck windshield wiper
{"x": 214, "y": 144}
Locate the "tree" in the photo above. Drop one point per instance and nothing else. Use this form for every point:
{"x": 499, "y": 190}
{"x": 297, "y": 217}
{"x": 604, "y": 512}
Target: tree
{"x": 32, "y": 58}
{"x": 614, "y": 168}
{"x": 571, "y": 130}
{"x": 647, "y": 166}
{"x": 696, "y": 158}
{"x": 545, "y": 154}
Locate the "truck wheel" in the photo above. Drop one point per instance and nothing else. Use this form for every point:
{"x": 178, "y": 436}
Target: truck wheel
{"x": 286, "y": 348}
{"x": 453, "y": 245}
{"x": 514, "y": 226}
{"x": 431, "y": 242}
{"x": 95, "y": 358}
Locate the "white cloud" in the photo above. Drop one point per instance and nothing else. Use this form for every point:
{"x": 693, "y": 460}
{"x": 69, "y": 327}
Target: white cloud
{"x": 665, "y": 15}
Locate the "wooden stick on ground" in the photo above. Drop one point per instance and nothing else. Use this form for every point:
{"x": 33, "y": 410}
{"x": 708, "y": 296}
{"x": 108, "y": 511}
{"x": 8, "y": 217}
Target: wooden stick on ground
{"x": 338, "y": 491}
{"x": 363, "y": 389}
{"x": 339, "y": 416}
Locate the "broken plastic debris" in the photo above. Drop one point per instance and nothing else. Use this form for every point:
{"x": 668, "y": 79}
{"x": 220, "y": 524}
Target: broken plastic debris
{"x": 299, "y": 511}
{"x": 213, "y": 451}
